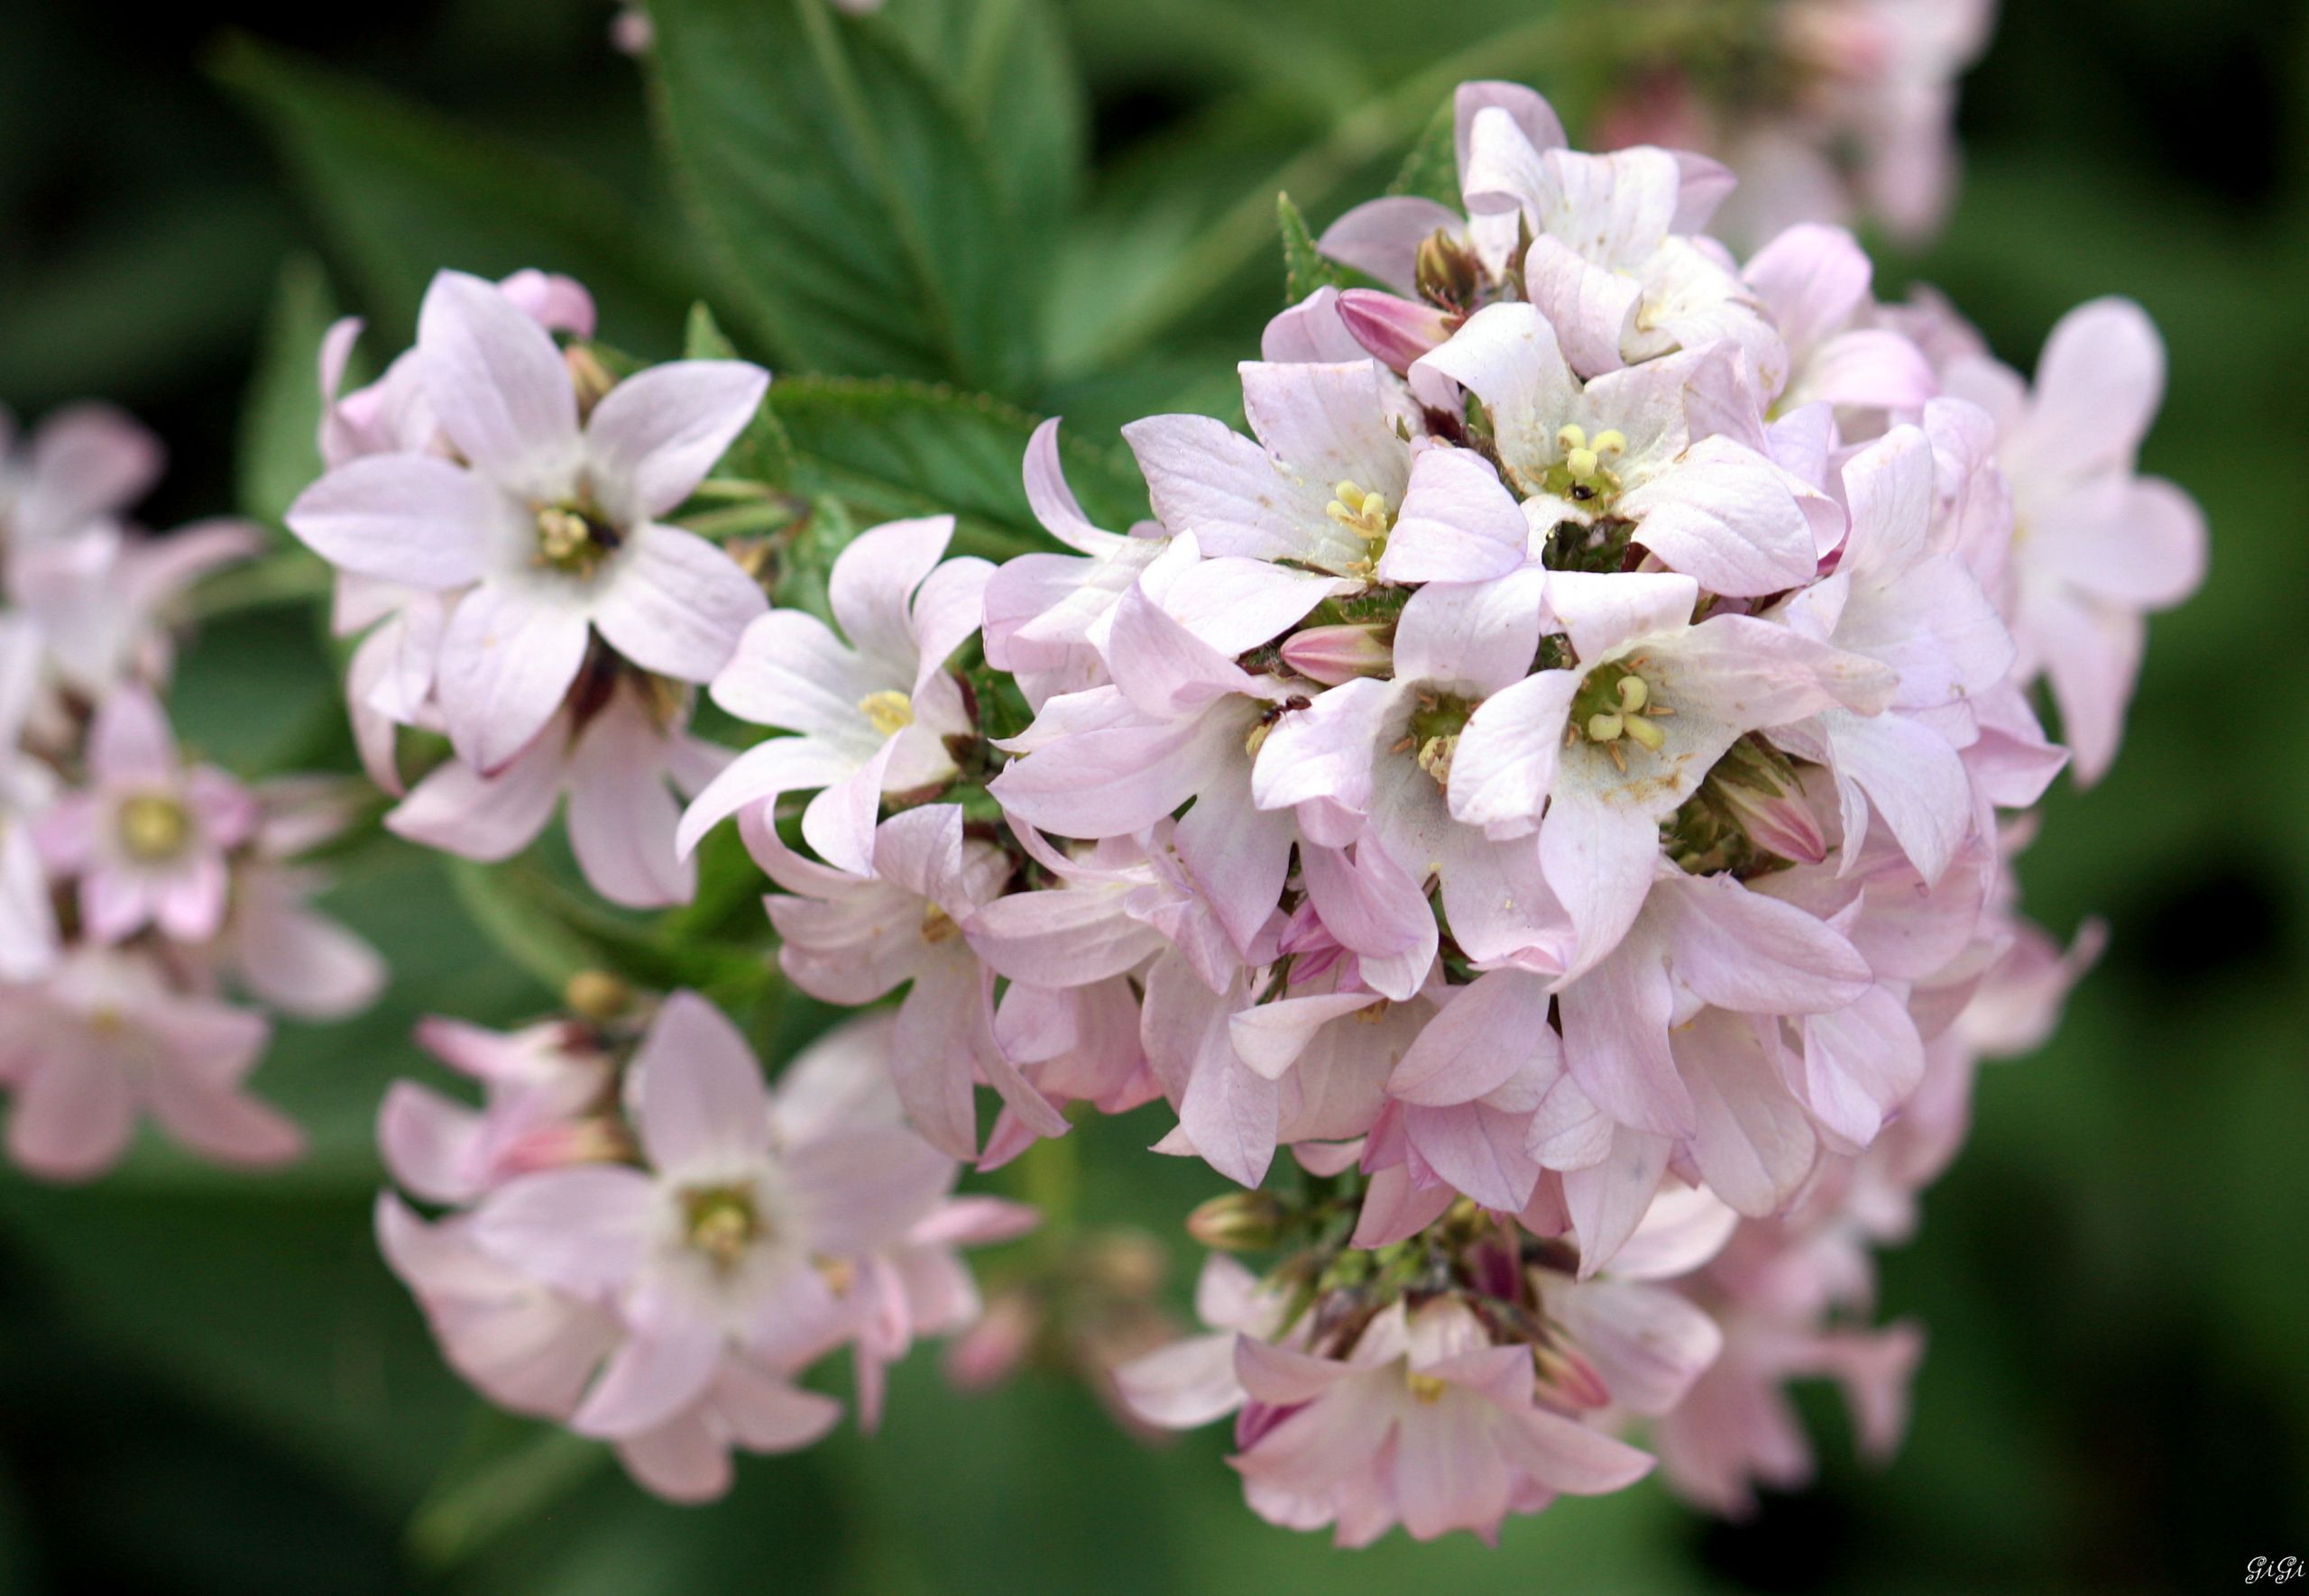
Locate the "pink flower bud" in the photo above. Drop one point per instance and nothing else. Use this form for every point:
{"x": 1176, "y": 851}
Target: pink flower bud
{"x": 1335, "y": 654}
{"x": 1781, "y": 824}
{"x": 1396, "y": 331}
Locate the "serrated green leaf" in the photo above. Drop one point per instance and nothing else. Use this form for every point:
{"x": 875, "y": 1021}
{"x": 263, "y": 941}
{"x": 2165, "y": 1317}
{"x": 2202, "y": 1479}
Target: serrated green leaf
{"x": 279, "y": 449}
{"x": 1012, "y": 70}
{"x": 762, "y": 453}
{"x": 405, "y": 192}
{"x": 892, "y": 448}
{"x": 851, "y": 204}
{"x": 1304, "y": 268}
{"x": 1431, "y": 170}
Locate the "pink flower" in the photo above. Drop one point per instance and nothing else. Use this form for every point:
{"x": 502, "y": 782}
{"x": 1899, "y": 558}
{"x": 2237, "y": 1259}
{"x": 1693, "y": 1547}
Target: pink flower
{"x": 1423, "y": 1423}
{"x": 1588, "y": 740}
{"x": 1815, "y": 282}
{"x": 553, "y": 524}
{"x": 712, "y": 1250}
{"x": 1323, "y": 431}
{"x": 1894, "y": 598}
{"x": 873, "y": 713}
{"x": 852, "y": 939}
{"x": 103, "y": 1036}
{"x": 1048, "y": 616}
{"x": 1623, "y": 447}
{"x": 2096, "y": 546}
{"x": 148, "y": 841}
{"x": 549, "y": 1091}
{"x": 84, "y": 463}
{"x": 99, "y": 595}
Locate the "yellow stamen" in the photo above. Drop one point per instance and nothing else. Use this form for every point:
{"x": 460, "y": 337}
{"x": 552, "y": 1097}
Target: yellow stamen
{"x": 888, "y": 712}
{"x": 1426, "y": 1388}
{"x": 1363, "y": 513}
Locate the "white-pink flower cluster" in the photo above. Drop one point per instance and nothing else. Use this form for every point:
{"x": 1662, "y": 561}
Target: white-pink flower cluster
{"x": 1561, "y": 765}
{"x": 645, "y": 1243}
{"x": 1557, "y": 777}
{"x": 136, "y": 886}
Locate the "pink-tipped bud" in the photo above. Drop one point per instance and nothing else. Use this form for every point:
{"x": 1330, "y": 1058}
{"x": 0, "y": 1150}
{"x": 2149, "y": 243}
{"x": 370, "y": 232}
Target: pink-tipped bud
{"x": 1760, "y": 790}
{"x": 1567, "y": 1378}
{"x": 1335, "y": 654}
{"x": 1395, "y": 331}
{"x": 1783, "y": 824}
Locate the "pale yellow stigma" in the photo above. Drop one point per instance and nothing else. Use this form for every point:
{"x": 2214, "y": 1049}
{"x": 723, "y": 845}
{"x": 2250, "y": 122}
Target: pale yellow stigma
{"x": 1361, "y": 513}
{"x": 153, "y": 826}
{"x": 937, "y": 925}
{"x": 1426, "y": 1388}
{"x": 1616, "y": 706}
{"x": 720, "y": 1221}
{"x": 562, "y": 533}
{"x": 888, "y": 712}
{"x": 1585, "y": 460}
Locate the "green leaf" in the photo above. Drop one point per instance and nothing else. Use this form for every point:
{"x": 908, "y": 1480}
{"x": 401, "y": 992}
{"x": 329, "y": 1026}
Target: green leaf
{"x": 1432, "y": 170}
{"x": 762, "y": 453}
{"x": 1011, "y": 68}
{"x": 892, "y": 449}
{"x": 405, "y": 192}
{"x": 280, "y": 451}
{"x": 851, "y": 204}
{"x": 1304, "y": 268}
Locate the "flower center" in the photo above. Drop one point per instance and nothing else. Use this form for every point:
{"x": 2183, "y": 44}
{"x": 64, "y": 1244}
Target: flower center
{"x": 1584, "y": 474}
{"x": 1426, "y": 1388}
{"x": 1365, "y": 515}
{"x": 1434, "y": 734}
{"x": 888, "y": 712}
{"x": 720, "y": 1221}
{"x": 574, "y": 537}
{"x": 937, "y": 925}
{"x": 154, "y": 827}
{"x": 1616, "y": 706}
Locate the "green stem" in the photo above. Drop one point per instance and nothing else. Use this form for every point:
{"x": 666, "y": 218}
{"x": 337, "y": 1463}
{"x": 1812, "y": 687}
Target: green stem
{"x": 291, "y": 576}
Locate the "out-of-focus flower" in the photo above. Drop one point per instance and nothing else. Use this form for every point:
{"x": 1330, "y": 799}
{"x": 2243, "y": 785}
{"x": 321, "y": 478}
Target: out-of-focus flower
{"x": 657, "y": 1245}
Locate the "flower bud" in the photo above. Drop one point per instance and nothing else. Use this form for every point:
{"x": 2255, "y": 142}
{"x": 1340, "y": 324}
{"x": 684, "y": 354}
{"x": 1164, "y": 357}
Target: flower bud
{"x": 596, "y": 994}
{"x": 1239, "y": 1222}
{"x": 1757, "y": 788}
{"x": 1446, "y": 271}
{"x": 1396, "y": 331}
{"x": 1335, "y": 654}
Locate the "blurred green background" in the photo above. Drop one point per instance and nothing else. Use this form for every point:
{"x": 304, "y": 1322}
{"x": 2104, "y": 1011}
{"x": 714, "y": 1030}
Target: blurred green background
{"x": 210, "y": 1383}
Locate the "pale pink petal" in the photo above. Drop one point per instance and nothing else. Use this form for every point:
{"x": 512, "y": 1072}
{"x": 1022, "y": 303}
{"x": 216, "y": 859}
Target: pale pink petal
{"x": 704, "y": 1107}
{"x": 71, "y": 1120}
{"x": 674, "y": 603}
{"x": 459, "y": 810}
{"x": 650, "y": 1379}
{"x": 871, "y": 589}
{"x": 1490, "y": 1031}
{"x": 655, "y": 435}
{"x": 499, "y": 387}
{"x": 622, "y": 814}
{"x": 507, "y": 659}
{"x": 582, "y": 1229}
